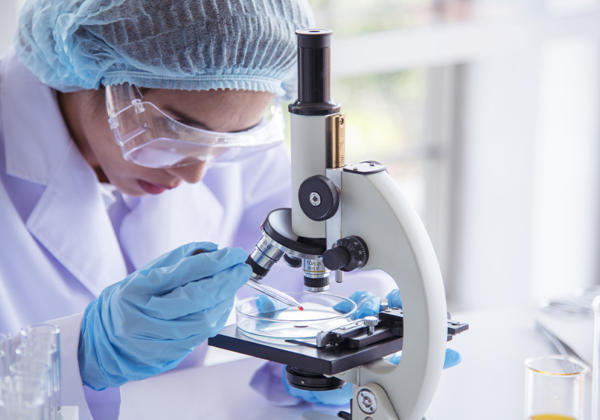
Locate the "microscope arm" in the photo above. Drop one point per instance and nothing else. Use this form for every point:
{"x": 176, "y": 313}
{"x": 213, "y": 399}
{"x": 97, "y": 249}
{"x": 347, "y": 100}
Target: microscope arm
{"x": 374, "y": 209}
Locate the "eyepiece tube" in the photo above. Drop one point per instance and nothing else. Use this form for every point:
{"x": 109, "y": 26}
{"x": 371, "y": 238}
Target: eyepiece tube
{"x": 314, "y": 73}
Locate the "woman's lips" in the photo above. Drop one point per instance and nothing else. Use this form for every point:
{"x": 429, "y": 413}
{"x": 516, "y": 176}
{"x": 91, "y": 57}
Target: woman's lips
{"x": 152, "y": 188}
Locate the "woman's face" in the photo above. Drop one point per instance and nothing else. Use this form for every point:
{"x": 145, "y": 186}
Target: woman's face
{"x": 222, "y": 110}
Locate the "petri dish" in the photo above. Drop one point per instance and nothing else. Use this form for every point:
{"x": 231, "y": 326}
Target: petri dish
{"x": 261, "y": 317}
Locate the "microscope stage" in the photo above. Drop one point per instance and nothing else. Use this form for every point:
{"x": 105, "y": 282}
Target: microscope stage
{"x": 323, "y": 361}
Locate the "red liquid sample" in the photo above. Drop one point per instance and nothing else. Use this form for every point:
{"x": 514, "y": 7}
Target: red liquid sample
{"x": 301, "y": 308}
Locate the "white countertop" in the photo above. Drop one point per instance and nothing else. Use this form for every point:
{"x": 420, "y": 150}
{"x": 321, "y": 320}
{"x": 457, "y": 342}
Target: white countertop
{"x": 488, "y": 384}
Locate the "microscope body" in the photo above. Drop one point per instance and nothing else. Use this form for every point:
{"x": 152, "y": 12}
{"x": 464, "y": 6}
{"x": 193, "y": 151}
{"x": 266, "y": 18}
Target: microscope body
{"x": 354, "y": 217}
{"x": 373, "y": 209}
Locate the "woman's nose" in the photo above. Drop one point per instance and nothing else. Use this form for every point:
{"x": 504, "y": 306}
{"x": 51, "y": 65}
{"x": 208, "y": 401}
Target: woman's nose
{"x": 191, "y": 172}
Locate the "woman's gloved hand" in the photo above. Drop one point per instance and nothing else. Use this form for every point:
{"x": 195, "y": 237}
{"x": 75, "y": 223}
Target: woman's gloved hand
{"x": 148, "y": 322}
{"x": 451, "y": 359}
{"x": 366, "y": 304}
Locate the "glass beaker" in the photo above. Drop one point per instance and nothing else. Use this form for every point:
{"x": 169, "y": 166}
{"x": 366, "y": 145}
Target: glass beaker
{"x": 42, "y": 342}
{"x": 24, "y": 398}
{"x": 554, "y": 388}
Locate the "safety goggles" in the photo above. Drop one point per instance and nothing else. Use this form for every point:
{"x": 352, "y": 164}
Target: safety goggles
{"x": 150, "y": 137}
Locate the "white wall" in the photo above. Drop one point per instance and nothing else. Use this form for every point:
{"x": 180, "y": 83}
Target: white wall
{"x": 529, "y": 189}
{"x": 565, "y": 214}
{"x": 492, "y": 262}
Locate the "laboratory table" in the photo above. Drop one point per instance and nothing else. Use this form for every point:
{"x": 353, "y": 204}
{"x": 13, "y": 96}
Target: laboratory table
{"x": 488, "y": 384}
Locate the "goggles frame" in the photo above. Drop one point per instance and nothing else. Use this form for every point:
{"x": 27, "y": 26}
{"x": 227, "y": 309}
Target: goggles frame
{"x": 150, "y": 137}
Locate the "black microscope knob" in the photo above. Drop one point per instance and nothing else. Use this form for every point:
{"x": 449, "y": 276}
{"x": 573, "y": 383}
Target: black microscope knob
{"x": 336, "y": 258}
{"x": 319, "y": 197}
{"x": 347, "y": 254}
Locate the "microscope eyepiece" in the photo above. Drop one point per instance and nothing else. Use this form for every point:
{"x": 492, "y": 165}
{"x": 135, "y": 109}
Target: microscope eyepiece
{"x": 314, "y": 68}
{"x": 278, "y": 240}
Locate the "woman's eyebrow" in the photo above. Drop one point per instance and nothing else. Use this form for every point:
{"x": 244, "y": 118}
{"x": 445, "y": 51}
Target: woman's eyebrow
{"x": 186, "y": 119}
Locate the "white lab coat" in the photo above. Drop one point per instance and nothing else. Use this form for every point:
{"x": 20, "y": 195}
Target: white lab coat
{"x": 58, "y": 247}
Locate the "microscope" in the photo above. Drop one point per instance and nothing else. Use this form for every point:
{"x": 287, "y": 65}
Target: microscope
{"x": 347, "y": 217}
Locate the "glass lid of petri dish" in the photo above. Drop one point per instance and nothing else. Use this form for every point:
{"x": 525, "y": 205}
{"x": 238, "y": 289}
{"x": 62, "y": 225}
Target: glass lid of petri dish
{"x": 266, "y": 319}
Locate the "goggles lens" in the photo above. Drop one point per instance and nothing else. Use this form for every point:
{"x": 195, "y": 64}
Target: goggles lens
{"x": 150, "y": 137}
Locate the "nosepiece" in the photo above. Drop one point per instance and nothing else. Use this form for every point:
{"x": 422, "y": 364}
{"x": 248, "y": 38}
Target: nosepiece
{"x": 278, "y": 240}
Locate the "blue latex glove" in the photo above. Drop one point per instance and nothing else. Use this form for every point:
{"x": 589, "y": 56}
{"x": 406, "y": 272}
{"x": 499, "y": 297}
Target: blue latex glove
{"x": 451, "y": 359}
{"x": 148, "y": 322}
{"x": 367, "y": 304}
{"x": 268, "y": 307}
{"x": 394, "y": 299}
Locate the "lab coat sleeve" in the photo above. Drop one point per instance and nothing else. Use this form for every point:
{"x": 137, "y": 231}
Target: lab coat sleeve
{"x": 72, "y": 392}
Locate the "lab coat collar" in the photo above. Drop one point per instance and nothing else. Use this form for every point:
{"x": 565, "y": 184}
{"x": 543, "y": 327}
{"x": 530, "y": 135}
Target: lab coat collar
{"x": 38, "y": 148}
{"x": 35, "y": 136}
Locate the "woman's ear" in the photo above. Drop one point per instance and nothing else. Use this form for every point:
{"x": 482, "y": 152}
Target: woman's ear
{"x": 99, "y": 100}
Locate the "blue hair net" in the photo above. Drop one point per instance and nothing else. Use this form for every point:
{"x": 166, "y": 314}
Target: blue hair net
{"x": 174, "y": 44}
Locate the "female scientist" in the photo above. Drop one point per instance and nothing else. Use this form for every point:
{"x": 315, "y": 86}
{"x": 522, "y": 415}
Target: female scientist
{"x": 128, "y": 128}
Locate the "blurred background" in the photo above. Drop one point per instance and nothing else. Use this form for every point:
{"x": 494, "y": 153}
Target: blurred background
{"x": 487, "y": 113}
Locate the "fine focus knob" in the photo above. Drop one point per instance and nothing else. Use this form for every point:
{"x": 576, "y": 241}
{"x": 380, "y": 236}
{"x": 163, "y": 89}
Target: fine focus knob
{"x": 347, "y": 254}
{"x": 336, "y": 258}
{"x": 319, "y": 197}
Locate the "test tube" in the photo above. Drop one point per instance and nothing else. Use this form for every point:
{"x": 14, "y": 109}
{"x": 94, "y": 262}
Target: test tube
{"x": 596, "y": 361}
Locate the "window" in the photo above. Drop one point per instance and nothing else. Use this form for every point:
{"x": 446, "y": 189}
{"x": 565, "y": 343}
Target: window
{"x": 394, "y": 111}
{"x": 486, "y": 112}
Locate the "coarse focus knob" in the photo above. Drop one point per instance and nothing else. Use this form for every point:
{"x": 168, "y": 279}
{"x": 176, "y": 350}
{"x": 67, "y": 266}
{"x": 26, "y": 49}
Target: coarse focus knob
{"x": 319, "y": 197}
{"x": 347, "y": 254}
